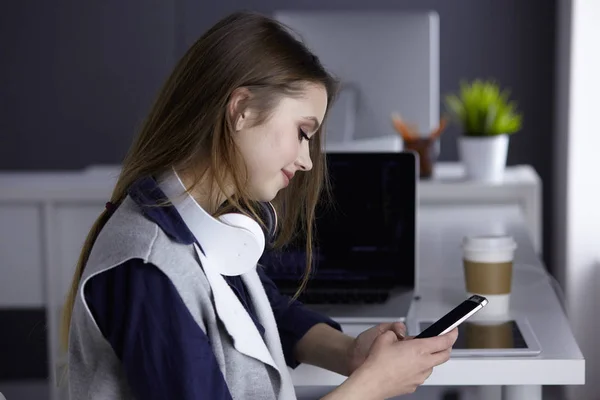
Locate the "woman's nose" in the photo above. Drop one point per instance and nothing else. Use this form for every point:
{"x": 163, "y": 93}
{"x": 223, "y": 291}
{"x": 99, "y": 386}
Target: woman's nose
{"x": 303, "y": 162}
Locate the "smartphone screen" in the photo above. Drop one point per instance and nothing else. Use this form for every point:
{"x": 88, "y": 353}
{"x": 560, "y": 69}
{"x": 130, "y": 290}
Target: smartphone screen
{"x": 455, "y": 317}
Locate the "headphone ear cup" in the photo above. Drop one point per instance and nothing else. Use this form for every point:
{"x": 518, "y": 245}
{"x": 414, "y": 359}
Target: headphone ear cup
{"x": 266, "y": 212}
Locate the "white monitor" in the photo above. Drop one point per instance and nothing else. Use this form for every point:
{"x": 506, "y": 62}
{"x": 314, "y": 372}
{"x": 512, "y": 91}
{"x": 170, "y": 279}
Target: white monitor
{"x": 387, "y": 62}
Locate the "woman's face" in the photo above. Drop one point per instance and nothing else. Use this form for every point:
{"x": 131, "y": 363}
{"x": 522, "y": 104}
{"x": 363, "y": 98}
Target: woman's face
{"x": 278, "y": 149}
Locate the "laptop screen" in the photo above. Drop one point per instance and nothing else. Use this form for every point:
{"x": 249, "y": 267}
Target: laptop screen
{"x": 365, "y": 238}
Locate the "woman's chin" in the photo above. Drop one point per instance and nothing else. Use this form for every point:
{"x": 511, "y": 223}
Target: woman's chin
{"x": 269, "y": 197}
{"x": 264, "y": 195}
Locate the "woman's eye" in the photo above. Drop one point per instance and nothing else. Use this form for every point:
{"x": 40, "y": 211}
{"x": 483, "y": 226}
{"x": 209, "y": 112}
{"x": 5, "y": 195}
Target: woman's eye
{"x": 302, "y": 135}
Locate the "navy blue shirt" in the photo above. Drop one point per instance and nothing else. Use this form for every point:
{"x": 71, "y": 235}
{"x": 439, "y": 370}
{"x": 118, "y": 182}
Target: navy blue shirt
{"x": 164, "y": 353}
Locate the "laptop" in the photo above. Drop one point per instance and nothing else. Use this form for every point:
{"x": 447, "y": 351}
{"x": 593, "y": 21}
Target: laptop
{"x": 364, "y": 252}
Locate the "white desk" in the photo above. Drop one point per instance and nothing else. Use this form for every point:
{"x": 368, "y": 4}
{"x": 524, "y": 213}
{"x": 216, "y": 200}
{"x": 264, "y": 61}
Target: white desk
{"x": 441, "y": 286}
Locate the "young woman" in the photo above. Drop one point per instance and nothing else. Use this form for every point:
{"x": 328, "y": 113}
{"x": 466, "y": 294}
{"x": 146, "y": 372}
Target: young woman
{"x": 167, "y": 301}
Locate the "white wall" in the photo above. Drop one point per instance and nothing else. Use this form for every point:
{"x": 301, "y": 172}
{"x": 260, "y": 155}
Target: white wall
{"x": 577, "y": 168}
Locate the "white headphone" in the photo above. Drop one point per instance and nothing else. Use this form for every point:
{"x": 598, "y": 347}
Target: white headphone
{"x": 235, "y": 240}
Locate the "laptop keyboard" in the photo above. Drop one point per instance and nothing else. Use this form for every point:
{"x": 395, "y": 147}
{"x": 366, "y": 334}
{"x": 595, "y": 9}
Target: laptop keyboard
{"x": 341, "y": 296}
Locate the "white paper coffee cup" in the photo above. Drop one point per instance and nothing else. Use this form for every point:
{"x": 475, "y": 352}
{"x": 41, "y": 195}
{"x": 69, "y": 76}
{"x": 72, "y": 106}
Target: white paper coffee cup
{"x": 488, "y": 266}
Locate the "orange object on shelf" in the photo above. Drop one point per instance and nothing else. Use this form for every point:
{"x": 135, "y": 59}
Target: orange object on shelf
{"x": 422, "y": 145}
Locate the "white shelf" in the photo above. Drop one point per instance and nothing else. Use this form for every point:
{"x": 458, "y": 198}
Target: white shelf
{"x": 521, "y": 186}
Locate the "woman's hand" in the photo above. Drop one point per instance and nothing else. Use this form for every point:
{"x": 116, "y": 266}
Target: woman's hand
{"x": 360, "y": 347}
{"x": 395, "y": 367}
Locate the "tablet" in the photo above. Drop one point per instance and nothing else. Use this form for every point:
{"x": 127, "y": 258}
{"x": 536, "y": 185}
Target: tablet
{"x": 493, "y": 338}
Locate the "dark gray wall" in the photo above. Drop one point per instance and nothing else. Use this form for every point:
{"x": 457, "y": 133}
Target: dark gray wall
{"x": 76, "y": 78}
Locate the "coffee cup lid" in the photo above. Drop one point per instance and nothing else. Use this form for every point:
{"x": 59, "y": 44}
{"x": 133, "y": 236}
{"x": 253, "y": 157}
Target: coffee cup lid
{"x": 489, "y": 242}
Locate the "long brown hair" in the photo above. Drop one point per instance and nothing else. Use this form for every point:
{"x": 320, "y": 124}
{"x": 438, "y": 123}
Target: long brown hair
{"x": 189, "y": 122}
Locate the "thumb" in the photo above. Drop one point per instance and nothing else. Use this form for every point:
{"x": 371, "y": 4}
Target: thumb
{"x": 387, "y": 337}
{"x": 397, "y": 327}
{"x": 384, "y": 327}
{"x": 400, "y": 329}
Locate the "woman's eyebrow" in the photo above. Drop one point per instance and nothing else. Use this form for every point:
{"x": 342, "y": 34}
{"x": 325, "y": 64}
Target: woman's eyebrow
{"x": 314, "y": 121}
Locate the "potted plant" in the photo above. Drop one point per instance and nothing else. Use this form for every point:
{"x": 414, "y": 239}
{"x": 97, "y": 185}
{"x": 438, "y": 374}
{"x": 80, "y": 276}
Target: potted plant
{"x": 487, "y": 118}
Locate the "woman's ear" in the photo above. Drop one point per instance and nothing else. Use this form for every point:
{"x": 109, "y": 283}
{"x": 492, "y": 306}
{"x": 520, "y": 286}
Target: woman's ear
{"x": 238, "y": 108}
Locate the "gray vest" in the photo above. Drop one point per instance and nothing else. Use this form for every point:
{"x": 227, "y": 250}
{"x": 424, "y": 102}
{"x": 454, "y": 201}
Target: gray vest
{"x": 95, "y": 371}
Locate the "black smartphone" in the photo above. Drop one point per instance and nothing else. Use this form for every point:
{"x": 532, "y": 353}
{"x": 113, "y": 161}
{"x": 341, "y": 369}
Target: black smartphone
{"x": 455, "y": 317}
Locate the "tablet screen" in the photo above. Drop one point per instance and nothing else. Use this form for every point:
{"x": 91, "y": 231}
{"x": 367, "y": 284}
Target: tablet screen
{"x": 487, "y": 335}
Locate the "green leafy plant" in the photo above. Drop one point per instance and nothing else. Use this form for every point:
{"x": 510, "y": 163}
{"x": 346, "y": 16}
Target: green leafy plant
{"x": 483, "y": 109}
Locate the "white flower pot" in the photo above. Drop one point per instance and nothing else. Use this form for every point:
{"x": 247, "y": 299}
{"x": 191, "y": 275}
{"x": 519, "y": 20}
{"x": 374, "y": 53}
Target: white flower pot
{"x": 484, "y": 158}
